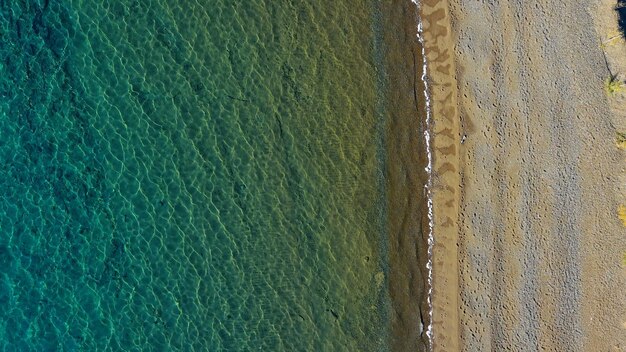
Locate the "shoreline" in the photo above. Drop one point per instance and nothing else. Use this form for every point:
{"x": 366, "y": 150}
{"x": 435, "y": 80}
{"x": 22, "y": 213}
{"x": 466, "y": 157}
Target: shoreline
{"x": 444, "y": 182}
{"x": 405, "y": 178}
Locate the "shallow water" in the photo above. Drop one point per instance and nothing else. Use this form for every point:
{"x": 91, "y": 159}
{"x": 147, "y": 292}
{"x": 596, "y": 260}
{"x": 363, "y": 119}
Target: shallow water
{"x": 193, "y": 175}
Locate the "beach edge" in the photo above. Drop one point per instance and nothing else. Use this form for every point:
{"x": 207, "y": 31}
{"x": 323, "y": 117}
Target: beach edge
{"x": 445, "y": 181}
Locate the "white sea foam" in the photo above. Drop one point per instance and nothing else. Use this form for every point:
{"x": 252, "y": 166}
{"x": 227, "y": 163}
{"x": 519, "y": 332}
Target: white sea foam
{"x": 429, "y": 183}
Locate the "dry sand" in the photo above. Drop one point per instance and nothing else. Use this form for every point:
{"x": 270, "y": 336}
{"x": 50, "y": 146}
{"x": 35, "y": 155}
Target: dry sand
{"x": 528, "y": 245}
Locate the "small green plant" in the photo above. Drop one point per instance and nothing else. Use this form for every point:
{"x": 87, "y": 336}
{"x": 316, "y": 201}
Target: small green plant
{"x": 620, "y": 140}
{"x": 612, "y": 85}
{"x": 621, "y": 214}
{"x": 611, "y": 40}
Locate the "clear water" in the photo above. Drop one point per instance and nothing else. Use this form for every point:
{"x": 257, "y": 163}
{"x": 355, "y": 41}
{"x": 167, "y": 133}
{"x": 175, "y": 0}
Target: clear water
{"x": 191, "y": 175}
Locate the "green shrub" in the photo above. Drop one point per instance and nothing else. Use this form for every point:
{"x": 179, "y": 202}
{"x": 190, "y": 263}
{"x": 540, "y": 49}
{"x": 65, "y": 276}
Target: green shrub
{"x": 612, "y": 85}
{"x": 621, "y": 214}
{"x": 620, "y": 140}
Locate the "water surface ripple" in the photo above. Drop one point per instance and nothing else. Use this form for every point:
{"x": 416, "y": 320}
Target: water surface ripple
{"x": 190, "y": 175}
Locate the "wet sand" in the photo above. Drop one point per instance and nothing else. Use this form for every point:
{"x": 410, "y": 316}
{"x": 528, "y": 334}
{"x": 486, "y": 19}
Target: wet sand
{"x": 528, "y": 248}
{"x": 446, "y": 139}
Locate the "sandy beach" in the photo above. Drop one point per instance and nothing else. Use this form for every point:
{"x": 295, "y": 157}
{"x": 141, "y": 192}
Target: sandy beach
{"x": 527, "y": 176}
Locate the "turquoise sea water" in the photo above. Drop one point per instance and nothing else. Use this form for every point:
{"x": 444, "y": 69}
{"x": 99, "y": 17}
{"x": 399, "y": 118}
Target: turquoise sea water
{"x": 191, "y": 175}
